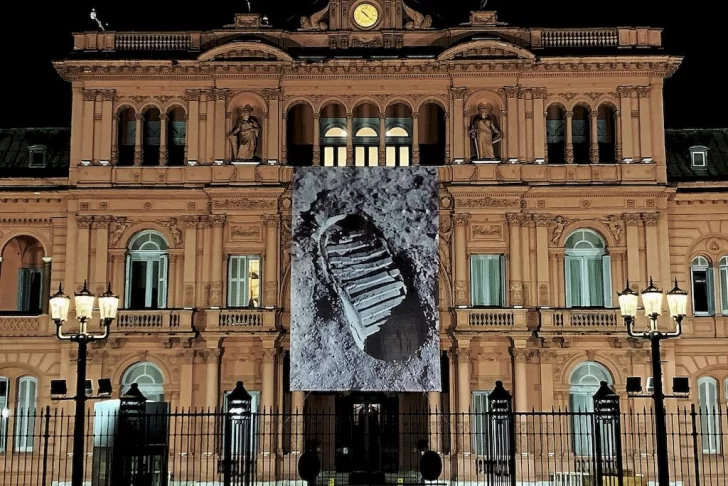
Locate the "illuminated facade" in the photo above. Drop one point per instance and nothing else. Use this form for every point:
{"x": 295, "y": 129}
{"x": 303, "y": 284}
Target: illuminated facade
{"x": 175, "y": 187}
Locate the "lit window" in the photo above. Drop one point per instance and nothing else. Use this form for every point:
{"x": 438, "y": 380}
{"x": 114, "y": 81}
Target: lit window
{"x": 399, "y": 147}
{"x": 701, "y": 276}
{"x": 148, "y": 377}
{"x": 243, "y": 281}
{"x": 699, "y": 156}
{"x": 366, "y": 147}
{"x": 588, "y": 271}
{"x": 37, "y": 156}
{"x": 487, "y": 274}
{"x": 146, "y": 272}
{"x": 334, "y": 145}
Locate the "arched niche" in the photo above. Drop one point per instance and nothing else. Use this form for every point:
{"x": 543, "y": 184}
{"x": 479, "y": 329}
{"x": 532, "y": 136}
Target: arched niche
{"x": 366, "y": 134}
{"x": 581, "y": 133}
{"x": 246, "y": 134}
{"x": 398, "y": 135}
{"x": 22, "y": 275}
{"x": 432, "y": 134}
{"x": 607, "y": 133}
{"x": 151, "y": 135}
{"x": 334, "y": 134}
{"x": 126, "y": 135}
{"x": 176, "y": 135}
{"x": 484, "y": 111}
{"x": 300, "y": 135}
{"x": 556, "y": 133}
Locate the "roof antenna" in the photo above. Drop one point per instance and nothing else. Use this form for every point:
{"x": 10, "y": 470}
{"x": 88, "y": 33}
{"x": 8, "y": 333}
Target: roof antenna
{"x": 95, "y": 17}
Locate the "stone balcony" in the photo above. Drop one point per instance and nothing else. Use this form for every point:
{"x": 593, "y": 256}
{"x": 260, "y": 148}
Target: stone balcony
{"x": 240, "y": 320}
{"x": 161, "y": 321}
{"x": 20, "y": 325}
{"x": 582, "y": 321}
{"x": 492, "y": 320}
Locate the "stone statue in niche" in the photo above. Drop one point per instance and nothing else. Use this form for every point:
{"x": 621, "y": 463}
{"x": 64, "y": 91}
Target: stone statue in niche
{"x": 485, "y": 132}
{"x": 245, "y": 134}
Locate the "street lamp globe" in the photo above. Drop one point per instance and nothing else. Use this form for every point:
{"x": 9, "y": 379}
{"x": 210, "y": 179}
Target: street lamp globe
{"x": 628, "y": 300}
{"x": 84, "y": 303}
{"x": 60, "y": 304}
{"x": 677, "y": 302}
{"x": 108, "y": 305}
{"x": 652, "y": 300}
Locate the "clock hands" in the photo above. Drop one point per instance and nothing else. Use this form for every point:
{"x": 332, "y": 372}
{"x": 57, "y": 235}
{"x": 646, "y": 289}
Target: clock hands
{"x": 365, "y": 14}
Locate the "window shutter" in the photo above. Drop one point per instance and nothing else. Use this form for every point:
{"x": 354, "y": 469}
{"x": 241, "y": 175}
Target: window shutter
{"x": 163, "y": 265}
{"x": 710, "y": 291}
{"x": 724, "y": 290}
{"x": 502, "y": 259}
{"x": 23, "y": 289}
{"x": 567, "y": 283}
{"x": 607, "y": 274}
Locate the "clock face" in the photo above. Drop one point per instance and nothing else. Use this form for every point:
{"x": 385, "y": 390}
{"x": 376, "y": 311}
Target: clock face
{"x": 366, "y": 15}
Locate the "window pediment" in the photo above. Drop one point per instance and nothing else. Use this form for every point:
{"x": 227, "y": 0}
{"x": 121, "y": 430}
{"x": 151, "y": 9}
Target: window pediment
{"x": 486, "y": 48}
{"x": 240, "y": 51}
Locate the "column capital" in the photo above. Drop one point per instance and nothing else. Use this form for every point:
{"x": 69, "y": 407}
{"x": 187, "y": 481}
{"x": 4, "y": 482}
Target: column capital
{"x": 517, "y": 219}
{"x": 525, "y": 356}
{"x": 217, "y": 220}
{"x": 271, "y": 220}
{"x": 569, "y": 114}
{"x": 462, "y": 220}
{"x": 84, "y": 221}
{"x": 643, "y": 91}
{"x": 89, "y": 94}
{"x": 625, "y": 91}
{"x": 511, "y": 91}
{"x": 632, "y": 219}
{"x": 542, "y": 220}
{"x": 458, "y": 92}
{"x": 193, "y": 94}
{"x": 651, "y": 219}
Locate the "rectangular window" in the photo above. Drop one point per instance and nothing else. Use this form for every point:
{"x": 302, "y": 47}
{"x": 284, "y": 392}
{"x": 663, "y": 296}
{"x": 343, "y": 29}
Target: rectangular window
{"x": 588, "y": 281}
{"x": 244, "y": 281}
{"x": 702, "y": 291}
{"x": 480, "y": 422}
{"x": 30, "y": 283}
{"x": 698, "y": 159}
{"x": 710, "y": 415}
{"x": 487, "y": 281}
{"x": 329, "y": 156}
{"x": 4, "y": 393}
{"x": 360, "y": 157}
{"x": 25, "y": 414}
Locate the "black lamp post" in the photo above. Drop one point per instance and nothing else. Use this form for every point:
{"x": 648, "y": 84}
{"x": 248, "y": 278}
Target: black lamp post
{"x": 84, "y": 301}
{"x": 652, "y": 299}
{"x": 237, "y": 419}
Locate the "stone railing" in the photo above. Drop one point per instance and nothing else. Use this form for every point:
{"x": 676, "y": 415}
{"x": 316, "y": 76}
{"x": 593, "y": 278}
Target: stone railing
{"x": 492, "y": 320}
{"x": 154, "y": 321}
{"x": 582, "y": 320}
{"x": 580, "y": 38}
{"x": 240, "y": 320}
{"x": 152, "y": 41}
{"x": 15, "y": 325}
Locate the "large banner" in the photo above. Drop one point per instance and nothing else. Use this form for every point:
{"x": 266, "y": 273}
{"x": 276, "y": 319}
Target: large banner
{"x": 364, "y": 280}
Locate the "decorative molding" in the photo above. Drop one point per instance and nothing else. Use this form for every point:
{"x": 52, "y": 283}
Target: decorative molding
{"x": 651, "y": 219}
{"x": 461, "y": 220}
{"x": 244, "y": 203}
{"x": 487, "y": 231}
{"x": 25, "y": 221}
{"x": 487, "y": 202}
{"x": 246, "y": 232}
{"x": 632, "y": 219}
{"x": 559, "y": 224}
{"x": 615, "y": 226}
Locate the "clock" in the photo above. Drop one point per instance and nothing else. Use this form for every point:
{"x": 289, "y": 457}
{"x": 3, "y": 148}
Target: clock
{"x": 366, "y": 15}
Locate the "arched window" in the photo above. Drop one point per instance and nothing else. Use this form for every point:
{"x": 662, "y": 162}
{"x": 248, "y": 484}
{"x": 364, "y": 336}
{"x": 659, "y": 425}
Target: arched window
{"x": 709, "y": 414}
{"x": 723, "y": 268}
{"x": 701, "y": 279}
{"x": 151, "y": 136}
{"x": 581, "y": 134}
{"x": 4, "y": 412}
{"x": 334, "y": 144}
{"x": 176, "y": 136}
{"x": 126, "y": 133}
{"x": 399, "y": 147}
{"x": 584, "y": 383}
{"x": 148, "y": 377}
{"x": 366, "y": 147}
{"x": 146, "y": 272}
{"x": 588, "y": 271}
{"x": 25, "y": 413}
{"x": 556, "y": 134}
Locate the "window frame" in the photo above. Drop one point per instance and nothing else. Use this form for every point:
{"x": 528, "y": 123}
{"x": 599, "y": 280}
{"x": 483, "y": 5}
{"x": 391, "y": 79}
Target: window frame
{"x": 334, "y": 146}
{"x": 33, "y": 150}
{"x": 702, "y": 151}
{"x": 723, "y": 285}
{"x": 480, "y": 403}
{"x": 714, "y": 436}
{"x": 4, "y": 414}
{"x": 245, "y": 291}
{"x": 709, "y": 284}
{"x": 148, "y": 390}
{"x": 501, "y": 268}
{"x": 583, "y": 256}
{"x": 23, "y": 434}
{"x": 148, "y": 257}
{"x": 580, "y": 416}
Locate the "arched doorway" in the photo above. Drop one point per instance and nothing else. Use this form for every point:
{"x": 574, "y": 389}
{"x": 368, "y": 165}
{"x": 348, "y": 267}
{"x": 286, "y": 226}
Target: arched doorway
{"x": 588, "y": 270}
{"x": 556, "y": 134}
{"x": 151, "y": 135}
{"x": 366, "y": 135}
{"x": 333, "y": 135}
{"x": 126, "y": 133}
{"x": 176, "y": 135}
{"x": 432, "y": 134}
{"x": 584, "y": 382}
{"x": 146, "y": 271}
{"x": 22, "y": 276}
{"x": 299, "y": 136}
{"x": 398, "y": 133}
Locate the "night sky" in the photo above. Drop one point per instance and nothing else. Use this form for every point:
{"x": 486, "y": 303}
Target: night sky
{"x": 32, "y": 36}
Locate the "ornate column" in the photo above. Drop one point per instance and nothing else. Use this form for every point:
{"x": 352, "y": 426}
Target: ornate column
{"x": 516, "y": 285}
{"x": 522, "y": 124}
{"x": 512, "y": 127}
{"x": 298, "y": 404}
{"x": 382, "y": 139}
{"x": 107, "y": 125}
{"x": 46, "y": 283}
{"x": 461, "y": 258}
{"x": 192, "y": 137}
{"x": 652, "y": 249}
{"x": 138, "y": 155}
{"x": 633, "y": 222}
{"x": 220, "y": 143}
{"x": 618, "y": 157}
{"x": 284, "y": 136}
{"x": 539, "y": 124}
{"x": 270, "y": 272}
{"x": 645, "y": 121}
{"x": 268, "y": 354}
{"x": 163, "y": 139}
{"x": 101, "y": 228}
{"x": 561, "y": 279}
{"x": 569, "y": 150}
{"x": 464, "y": 394}
{"x": 317, "y": 138}
{"x": 115, "y": 140}
{"x": 89, "y": 102}
{"x": 208, "y": 130}
{"x": 190, "y": 264}
{"x": 82, "y": 249}
{"x": 521, "y": 358}
{"x": 218, "y": 223}
{"x": 459, "y": 141}
{"x": 349, "y": 139}
{"x": 415, "y": 138}
{"x": 448, "y": 147}
{"x": 211, "y": 358}
{"x": 594, "y": 137}
{"x": 435, "y": 409}
{"x": 276, "y": 137}
{"x": 624, "y": 134}
{"x": 542, "y": 259}
{"x": 504, "y": 154}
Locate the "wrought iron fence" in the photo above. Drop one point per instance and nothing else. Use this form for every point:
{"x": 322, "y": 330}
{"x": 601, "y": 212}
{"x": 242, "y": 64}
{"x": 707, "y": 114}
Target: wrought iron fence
{"x": 367, "y": 445}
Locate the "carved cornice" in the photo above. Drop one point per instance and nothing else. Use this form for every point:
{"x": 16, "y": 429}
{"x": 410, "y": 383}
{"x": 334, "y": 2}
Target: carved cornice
{"x": 487, "y": 202}
{"x": 518, "y": 219}
{"x": 245, "y": 203}
{"x": 25, "y": 221}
